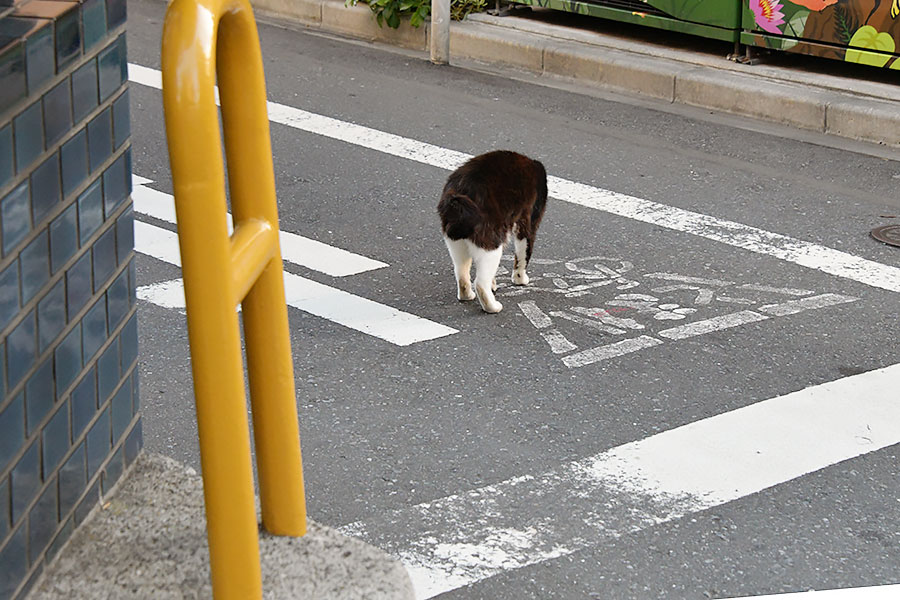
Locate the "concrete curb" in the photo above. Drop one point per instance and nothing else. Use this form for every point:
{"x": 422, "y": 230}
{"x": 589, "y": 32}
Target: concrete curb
{"x": 149, "y": 541}
{"x": 822, "y": 103}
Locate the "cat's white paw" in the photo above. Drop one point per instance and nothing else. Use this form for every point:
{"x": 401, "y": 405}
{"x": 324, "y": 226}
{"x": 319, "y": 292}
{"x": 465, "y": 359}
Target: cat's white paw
{"x": 520, "y": 278}
{"x": 494, "y": 284}
{"x": 488, "y": 303}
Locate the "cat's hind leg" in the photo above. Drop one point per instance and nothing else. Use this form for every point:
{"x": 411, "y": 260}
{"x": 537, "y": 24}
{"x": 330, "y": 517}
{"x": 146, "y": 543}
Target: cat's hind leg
{"x": 462, "y": 265}
{"x": 486, "y": 264}
{"x": 519, "y": 276}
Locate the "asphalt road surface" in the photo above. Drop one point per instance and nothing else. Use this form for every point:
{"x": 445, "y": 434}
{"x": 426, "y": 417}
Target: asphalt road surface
{"x": 696, "y": 396}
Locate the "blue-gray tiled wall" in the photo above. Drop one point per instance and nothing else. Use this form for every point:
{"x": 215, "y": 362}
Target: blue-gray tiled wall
{"x": 69, "y": 418}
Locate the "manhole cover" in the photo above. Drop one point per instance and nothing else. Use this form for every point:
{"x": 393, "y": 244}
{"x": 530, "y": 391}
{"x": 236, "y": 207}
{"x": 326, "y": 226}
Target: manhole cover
{"x": 889, "y": 234}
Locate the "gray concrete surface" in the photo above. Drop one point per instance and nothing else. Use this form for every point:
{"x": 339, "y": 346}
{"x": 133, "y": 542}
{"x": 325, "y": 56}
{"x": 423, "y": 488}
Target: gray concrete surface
{"x": 848, "y": 104}
{"x": 149, "y": 541}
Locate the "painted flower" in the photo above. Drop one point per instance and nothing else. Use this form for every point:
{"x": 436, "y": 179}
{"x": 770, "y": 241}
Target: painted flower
{"x": 768, "y": 14}
{"x": 815, "y": 5}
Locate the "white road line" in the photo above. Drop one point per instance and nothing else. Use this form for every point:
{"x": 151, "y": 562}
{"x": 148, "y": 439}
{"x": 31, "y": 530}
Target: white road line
{"x": 558, "y": 342}
{"x": 534, "y": 314}
{"x": 813, "y": 256}
{"x": 464, "y": 538}
{"x": 592, "y": 355}
{"x": 167, "y": 294}
{"x": 295, "y": 248}
{"x": 812, "y": 302}
{"x": 346, "y": 309}
{"x": 734, "y": 319}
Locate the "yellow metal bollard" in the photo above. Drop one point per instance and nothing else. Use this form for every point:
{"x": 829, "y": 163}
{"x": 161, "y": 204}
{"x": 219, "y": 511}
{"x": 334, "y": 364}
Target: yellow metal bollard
{"x": 203, "y": 39}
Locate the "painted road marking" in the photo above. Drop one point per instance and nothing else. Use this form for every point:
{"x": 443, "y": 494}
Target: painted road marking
{"x": 807, "y": 254}
{"x": 465, "y": 538}
{"x": 611, "y": 276}
{"x": 296, "y": 249}
{"x": 369, "y": 317}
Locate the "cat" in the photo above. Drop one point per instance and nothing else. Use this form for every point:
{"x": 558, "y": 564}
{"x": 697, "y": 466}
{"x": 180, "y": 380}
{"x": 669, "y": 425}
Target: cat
{"x": 491, "y": 198}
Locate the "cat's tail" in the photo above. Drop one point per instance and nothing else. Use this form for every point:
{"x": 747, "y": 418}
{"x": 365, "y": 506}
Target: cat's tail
{"x": 459, "y": 216}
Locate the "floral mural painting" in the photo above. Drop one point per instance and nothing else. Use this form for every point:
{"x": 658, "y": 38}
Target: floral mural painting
{"x": 859, "y": 31}
{"x": 768, "y": 14}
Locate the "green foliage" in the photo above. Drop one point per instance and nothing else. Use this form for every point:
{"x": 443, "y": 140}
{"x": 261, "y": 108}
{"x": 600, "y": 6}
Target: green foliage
{"x": 391, "y": 11}
{"x": 460, "y": 9}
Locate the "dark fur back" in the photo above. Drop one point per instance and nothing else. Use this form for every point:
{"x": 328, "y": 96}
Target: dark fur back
{"x": 483, "y": 199}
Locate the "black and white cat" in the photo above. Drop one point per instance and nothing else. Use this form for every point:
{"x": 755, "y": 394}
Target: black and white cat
{"x": 490, "y": 199}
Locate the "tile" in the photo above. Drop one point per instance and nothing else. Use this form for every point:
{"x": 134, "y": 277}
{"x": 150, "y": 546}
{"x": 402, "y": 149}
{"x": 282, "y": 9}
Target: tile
{"x": 39, "y": 60}
{"x": 2, "y": 372}
{"x": 84, "y": 403}
{"x": 12, "y": 74}
{"x": 28, "y": 133}
{"x": 84, "y": 90}
{"x": 39, "y": 396}
{"x": 74, "y": 159}
{"x": 108, "y": 372}
{"x": 121, "y": 120}
{"x": 6, "y": 149}
{"x": 115, "y": 184}
{"x": 34, "y": 265}
{"x": 98, "y": 443}
{"x": 104, "y": 257}
{"x": 68, "y": 35}
{"x": 87, "y": 503}
{"x": 134, "y": 442}
{"x": 123, "y": 58}
{"x": 20, "y": 350}
{"x": 124, "y": 235}
{"x": 132, "y": 282}
{"x": 90, "y": 211}
{"x": 57, "y": 112}
{"x": 78, "y": 285}
{"x": 116, "y": 13}
{"x": 26, "y": 481}
{"x": 129, "y": 342}
{"x": 51, "y": 316}
{"x": 135, "y": 392}
{"x": 72, "y": 480}
{"x": 110, "y": 71}
{"x": 93, "y": 329}
{"x": 59, "y": 541}
{"x": 42, "y": 521}
{"x": 121, "y": 412}
{"x": 117, "y": 300}
{"x": 93, "y": 22}
{"x": 63, "y": 238}
{"x": 45, "y": 188}
{"x": 113, "y": 471}
{"x": 4, "y": 503}
{"x": 15, "y": 217}
{"x": 12, "y": 430}
{"x": 128, "y": 170}
{"x": 55, "y": 439}
{"x": 13, "y": 562}
{"x": 9, "y": 293}
{"x": 100, "y": 138}
{"x": 67, "y": 357}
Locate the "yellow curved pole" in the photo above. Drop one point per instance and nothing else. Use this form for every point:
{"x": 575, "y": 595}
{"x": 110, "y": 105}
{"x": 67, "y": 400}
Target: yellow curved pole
{"x": 203, "y": 39}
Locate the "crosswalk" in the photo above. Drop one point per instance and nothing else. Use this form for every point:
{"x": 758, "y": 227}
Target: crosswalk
{"x": 361, "y": 314}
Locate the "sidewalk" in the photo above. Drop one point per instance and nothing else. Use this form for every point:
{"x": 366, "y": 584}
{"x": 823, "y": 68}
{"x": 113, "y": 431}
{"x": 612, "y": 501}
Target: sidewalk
{"x": 858, "y": 104}
{"x": 149, "y": 541}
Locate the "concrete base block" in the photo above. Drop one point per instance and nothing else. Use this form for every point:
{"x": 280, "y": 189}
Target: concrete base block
{"x": 149, "y": 541}
{"x": 867, "y": 120}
